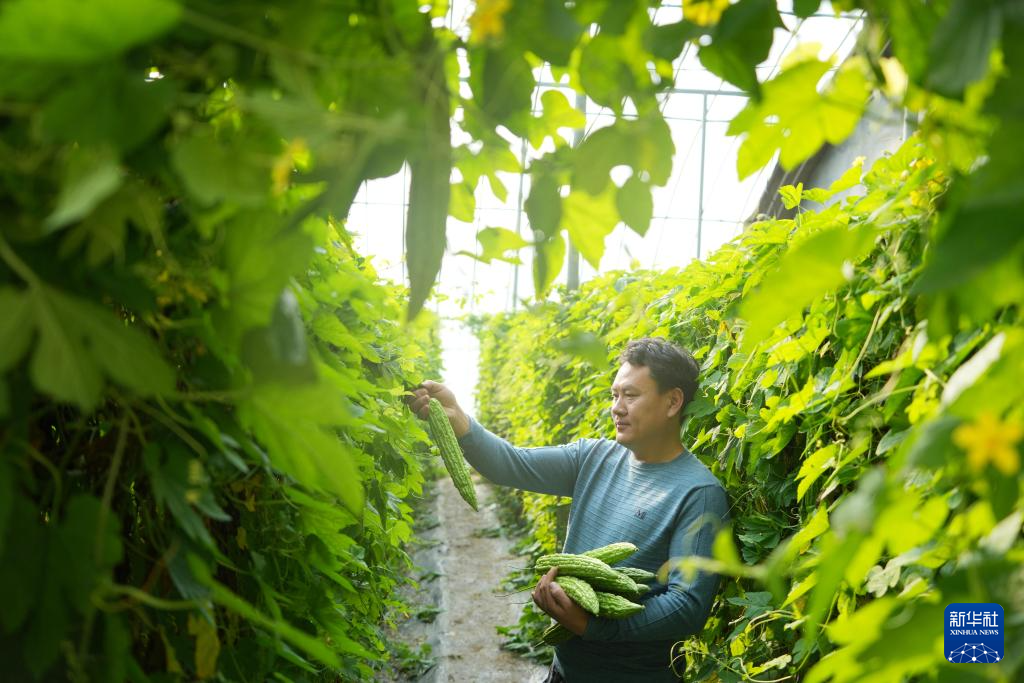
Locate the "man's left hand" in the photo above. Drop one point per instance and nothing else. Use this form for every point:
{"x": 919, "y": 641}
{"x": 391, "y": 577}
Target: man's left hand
{"x": 553, "y": 601}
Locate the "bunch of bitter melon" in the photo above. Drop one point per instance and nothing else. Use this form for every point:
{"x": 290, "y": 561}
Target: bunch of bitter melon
{"x": 593, "y": 584}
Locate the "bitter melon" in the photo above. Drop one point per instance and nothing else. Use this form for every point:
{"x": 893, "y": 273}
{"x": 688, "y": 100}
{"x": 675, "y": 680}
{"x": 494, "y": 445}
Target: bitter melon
{"x": 581, "y": 592}
{"x": 556, "y": 634}
{"x": 637, "y": 574}
{"x": 613, "y": 552}
{"x": 615, "y": 606}
{"x": 451, "y": 452}
{"x": 594, "y": 571}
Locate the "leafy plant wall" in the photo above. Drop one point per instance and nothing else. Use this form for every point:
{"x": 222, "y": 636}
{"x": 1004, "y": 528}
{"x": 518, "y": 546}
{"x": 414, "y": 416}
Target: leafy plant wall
{"x": 870, "y": 447}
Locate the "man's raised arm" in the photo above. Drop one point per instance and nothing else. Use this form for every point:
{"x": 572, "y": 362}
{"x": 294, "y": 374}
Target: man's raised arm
{"x": 552, "y": 470}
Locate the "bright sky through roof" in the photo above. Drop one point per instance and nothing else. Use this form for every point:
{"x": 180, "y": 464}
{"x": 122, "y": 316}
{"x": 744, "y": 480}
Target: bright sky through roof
{"x": 468, "y": 286}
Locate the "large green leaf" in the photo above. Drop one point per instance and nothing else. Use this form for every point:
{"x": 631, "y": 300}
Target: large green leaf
{"x": 73, "y": 31}
{"x": 794, "y": 118}
{"x": 644, "y": 144}
{"x": 495, "y": 244}
{"x": 961, "y": 47}
{"x": 589, "y": 220}
{"x": 613, "y": 67}
{"x": 80, "y": 341}
{"x": 7, "y": 493}
{"x": 548, "y": 258}
{"x": 124, "y": 109}
{"x": 124, "y": 353}
{"x": 214, "y": 171}
{"x": 502, "y": 84}
{"x": 805, "y": 273}
{"x": 279, "y": 352}
{"x": 16, "y": 325}
{"x": 296, "y": 425}
{"x": 90, "y": 177}
{"x": 544, "y": 206}
{"x": 635, "y": 204}
{"x": 741, "y": 41}
{"x": 260, "y": 256}
{"x": 231, "y": 601}
{"x": 556, "y": 113}
{"x": 546, "y": 27}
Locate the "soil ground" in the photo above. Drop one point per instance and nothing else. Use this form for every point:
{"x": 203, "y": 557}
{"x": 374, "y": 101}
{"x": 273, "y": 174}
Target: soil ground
{"x": 461, "y": 563}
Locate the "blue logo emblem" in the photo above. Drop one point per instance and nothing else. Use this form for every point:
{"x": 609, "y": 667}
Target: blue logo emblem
{"x": 974, "y": 633}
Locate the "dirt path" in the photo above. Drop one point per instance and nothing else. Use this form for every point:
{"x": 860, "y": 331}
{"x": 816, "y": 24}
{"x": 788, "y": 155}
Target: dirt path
{"x": 471, "y": 559}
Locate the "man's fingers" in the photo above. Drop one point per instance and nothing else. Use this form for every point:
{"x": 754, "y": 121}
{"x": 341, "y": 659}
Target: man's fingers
{"x": 560, "y": 597}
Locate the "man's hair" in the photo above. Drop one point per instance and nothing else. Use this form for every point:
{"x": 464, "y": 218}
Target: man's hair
{"x": 671, "y": 366}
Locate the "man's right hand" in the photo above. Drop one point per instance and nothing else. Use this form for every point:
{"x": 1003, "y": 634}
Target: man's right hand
{"x": 421, "y": 396}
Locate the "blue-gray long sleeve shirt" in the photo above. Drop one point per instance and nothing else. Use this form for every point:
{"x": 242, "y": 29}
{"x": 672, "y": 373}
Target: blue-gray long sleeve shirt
{"x": 669, "y": 510}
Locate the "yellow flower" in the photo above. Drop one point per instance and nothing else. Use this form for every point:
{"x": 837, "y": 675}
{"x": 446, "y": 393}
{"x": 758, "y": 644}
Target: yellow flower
{"x": 988, "y": 439}
{"x": 488, "y": 20}
{"x": 295, "y": 152}
{"x": 704, "y": 12}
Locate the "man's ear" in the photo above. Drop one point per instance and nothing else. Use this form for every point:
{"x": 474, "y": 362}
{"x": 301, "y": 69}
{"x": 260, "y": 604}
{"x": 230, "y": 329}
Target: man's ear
{"x": 676, "y": 399}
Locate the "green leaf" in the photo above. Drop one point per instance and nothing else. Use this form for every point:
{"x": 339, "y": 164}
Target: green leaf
{"x": 978, "y": 231}
{"x": 61, "y": 364}
{"x": 72, "y": 31}
{"x": 805, "y": 8}
{"x": 793, "y": 117}
{"x": 962, "y": 45}
{"x": 124, "y": 109}
{"x": 90, "y": 177}
{"x": 279, "y": 352}
{"x": 215, "y": 171}
{"x": 496, "y": 242}
{"x": 502, "y": 85}
{"x": 105, "y": 228}
{"x": 791, "y": 196}
{"x": 613, "y": 67}
{"x": 462, "y": 203}
{"x": 968, "y": 374}
{"x": 805, "y": 273}
{"x": 556, "y": 113}
{"x": 96, "y": 549}
{"x": 666, "y": 41}
{"x": 168, "y": 470}
{"x": 544, "y": 207}
{"x": 229, "y": 600}
{"x": 260, "y": 256}
{"x": 301, "y": 441}
{"x": 549, "y": 255}
{"x": 589, "y": 220}
{"x": 635, "y": 204}
{"x": 644, "y": 144}
{"x": 125, "y": 354}
{"x": 741, "y": 41}
{"x": 15, "y": 326}
{"x": 850, "y": 178}
{"x": 835, "y": 553}
{"x": 584, "y": 345}
{"x": 207, "y": 645}
{"x": 7, "y": 493}
{"x": 80, "y": 341}
{"x": 813, "y": 467}
{"x": 547, "y": 29}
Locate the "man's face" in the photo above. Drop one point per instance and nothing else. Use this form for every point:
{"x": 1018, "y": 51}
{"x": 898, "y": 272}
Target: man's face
{"x": 642, "y": 414}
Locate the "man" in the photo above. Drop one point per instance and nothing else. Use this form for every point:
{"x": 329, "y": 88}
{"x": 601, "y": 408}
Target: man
{"x": 643, "y": 487}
